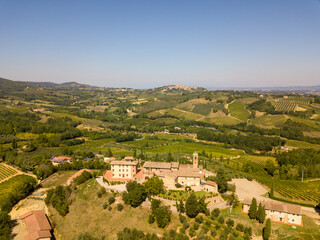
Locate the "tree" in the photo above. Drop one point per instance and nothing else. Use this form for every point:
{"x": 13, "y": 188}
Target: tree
{"x": 202, "y": 205}
{"x": 221, "y": 181}
{"x": 192, "y": 207}
{"x": 181, "y": 206}
{"x": 154, "y": 186}
{"x": 266, "y": 232}
{"x": 14, "y": 144}
{"x": 272, "y": 191}
{"x": 215, "y": 212}
{"x": 136, "y": 194}
{"x": 109, "y": 153}
{"x": 5, "y": 225}
{"x": 230, "y": 222}
{"x": 234, "y": 200}
{"x": 262, "y": 215}
{"x": 163, "y": 216}
{"x": 253, "y": 209}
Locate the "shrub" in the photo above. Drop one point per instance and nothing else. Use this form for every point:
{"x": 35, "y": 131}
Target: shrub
{"x": 192, "y": 232}
{"x": 221, "y": 220}
{"x": 199, "y": 219}
{"x": 119, "y": 207}
{"x": 99, "y": 194}
{"x": 215, "y": 212}
{"x": 230, "y": 222}
{"x": 111, "y": 200}
{"x": 186, "y": 225}
{"x": 213, "y": 232}
{"x": 240, "y": 227}
{"x": 109, "y": 208}
{"x": 105, "y": 205}
{"x": 151, "y": 219}
{"x": 196, "y": 226}
{"x": 182, "y": 218}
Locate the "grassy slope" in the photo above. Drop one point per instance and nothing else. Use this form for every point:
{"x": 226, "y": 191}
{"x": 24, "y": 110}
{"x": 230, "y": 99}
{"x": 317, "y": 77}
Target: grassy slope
{"x": 238, "y": 110}
{"x": 87, "y": 215}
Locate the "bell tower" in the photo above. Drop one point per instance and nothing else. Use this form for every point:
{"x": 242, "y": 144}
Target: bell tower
{"x": 195, "y": 160}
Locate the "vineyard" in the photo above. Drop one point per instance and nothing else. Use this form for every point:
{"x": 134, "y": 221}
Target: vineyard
{"x": 291, "y": 190}
{"x": 6, "y": 171}
{"x": 289, "y": 105}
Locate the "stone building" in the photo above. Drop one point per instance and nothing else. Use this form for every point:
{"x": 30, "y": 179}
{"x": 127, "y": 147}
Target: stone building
{"x": 278, "y": 211}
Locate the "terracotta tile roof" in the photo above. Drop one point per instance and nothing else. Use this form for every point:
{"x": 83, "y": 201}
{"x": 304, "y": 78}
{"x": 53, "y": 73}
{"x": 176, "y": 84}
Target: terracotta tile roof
{"x": 189, "y": 172}
{"x": 139, "y": 173}
{"x": 163, "y": 165}
{"x": 37, "y": 224}
{"x": 128, "y": 158}
{"x": 108, "y": 175}
{"x": 211, "y": 183}
{"x": 277, "y": 206}
{"x": 60, "y": 159}
{"x": 124, "y": 163}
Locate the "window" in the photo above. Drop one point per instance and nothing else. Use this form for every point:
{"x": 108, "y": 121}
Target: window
{"x": 127, "y": 175}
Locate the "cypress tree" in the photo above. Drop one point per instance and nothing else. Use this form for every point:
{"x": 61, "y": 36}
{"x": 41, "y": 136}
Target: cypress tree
{"x": 266, "y": 232}
{"x": 272, "y": 192}
{"x": 262, "y": 214}
{"x": 259, "y": 212}
{"x": 253, "y": 209}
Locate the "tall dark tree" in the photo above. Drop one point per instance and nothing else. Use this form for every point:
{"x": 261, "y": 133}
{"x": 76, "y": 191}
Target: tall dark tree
{"x": 192, "y": 207}
{"x": 253, "y": 209}
{"x": 221, "y": 180}
{"x": 266, "y": 232}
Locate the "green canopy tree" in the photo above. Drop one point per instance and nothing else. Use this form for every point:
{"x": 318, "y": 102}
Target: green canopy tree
{"x": 154, "y": 186}
{"x": 192, "y": 206}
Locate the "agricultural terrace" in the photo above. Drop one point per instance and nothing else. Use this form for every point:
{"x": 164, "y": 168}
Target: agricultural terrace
{"x": 6, "y": 172}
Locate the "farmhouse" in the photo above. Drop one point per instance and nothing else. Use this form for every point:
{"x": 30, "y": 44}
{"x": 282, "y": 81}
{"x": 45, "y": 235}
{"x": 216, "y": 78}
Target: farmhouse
{"x": 37, "y": 225}
{"x": 60, "y": 160}
{"x": 124, "y": 170}
{"x": 278, "y": 211}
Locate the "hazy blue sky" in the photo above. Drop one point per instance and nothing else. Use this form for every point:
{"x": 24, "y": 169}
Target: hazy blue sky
{"x": 150, "y": 43}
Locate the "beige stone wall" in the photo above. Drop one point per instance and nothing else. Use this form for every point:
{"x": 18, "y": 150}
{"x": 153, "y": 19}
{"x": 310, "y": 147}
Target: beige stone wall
{"x": 245, "y": 208}
{"x": 189, "y": 181}
{"x": 294, "y": 219}
{"x": 123, "y": 171}
{"x": 209, "y": 188}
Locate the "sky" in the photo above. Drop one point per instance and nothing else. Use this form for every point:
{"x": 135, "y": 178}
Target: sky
{"x": 145, "y": 44}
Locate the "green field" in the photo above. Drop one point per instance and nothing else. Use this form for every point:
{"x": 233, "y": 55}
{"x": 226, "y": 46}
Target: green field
{"x": 269, "y": 121}
{"x": 6, "y": 171}
{"x": 300, "y": 144}
{"x": 238, "y": 110}
{"x": 203, "y": 109}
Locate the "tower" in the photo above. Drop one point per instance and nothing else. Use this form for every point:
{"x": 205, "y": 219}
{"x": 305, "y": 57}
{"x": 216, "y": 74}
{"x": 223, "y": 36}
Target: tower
{"x": 195, "y": 160}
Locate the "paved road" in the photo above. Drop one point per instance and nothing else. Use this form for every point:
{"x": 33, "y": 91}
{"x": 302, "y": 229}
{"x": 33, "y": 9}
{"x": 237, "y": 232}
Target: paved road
{"x": 117, "y": 188}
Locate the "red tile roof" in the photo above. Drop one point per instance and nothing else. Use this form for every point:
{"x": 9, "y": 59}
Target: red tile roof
{"x": 37, "y": 224}
{"x": 211, "y": 183}
{"x": 139, "y": 173}
{"x": 108, "y": 175}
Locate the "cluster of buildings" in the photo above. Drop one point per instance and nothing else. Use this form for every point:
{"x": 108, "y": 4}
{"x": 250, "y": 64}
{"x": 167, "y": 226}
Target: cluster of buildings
{"x": 60, "y": 160}
{"x": 173, "y": 174}
{"x": 278, "y": 211}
